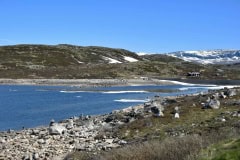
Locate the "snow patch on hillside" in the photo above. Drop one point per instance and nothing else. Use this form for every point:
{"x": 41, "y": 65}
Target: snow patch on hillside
{"x": 142, "y": 53}
{"x": 111, "y": 60}
{"x": 130, "y": 59}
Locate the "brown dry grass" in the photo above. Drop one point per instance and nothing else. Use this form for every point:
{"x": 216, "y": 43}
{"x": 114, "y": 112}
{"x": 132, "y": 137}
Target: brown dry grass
{"x": 168, "y": 149}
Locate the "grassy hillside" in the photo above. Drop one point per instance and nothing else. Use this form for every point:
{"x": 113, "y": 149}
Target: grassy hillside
{"x": 68, "y": 61}
{"x": 61, "y": 61}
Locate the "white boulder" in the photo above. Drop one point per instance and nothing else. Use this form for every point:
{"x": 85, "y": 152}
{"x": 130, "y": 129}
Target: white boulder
{"x": 214, "y": 104}
{"x": 56, "y": 129}
{"x": 176, "y": 115}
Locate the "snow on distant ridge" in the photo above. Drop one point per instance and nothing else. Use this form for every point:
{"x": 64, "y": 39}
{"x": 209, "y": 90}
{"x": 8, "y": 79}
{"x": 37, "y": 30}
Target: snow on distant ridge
{"x": 142, "y": 53}
{"x": 209, "y": 57}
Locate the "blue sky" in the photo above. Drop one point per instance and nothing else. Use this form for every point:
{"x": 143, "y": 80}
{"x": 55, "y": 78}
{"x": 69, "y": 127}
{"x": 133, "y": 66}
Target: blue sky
{"x": 138, "y": 25}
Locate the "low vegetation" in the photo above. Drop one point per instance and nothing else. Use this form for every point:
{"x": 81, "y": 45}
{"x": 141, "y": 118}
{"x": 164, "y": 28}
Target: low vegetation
{"x": 225, "y": 150}
{"x": 199, "y": 134}
{"x": 75, "y": 62}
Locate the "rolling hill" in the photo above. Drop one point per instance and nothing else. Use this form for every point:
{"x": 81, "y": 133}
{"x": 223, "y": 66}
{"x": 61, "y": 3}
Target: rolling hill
{"x": 76, "y": 62}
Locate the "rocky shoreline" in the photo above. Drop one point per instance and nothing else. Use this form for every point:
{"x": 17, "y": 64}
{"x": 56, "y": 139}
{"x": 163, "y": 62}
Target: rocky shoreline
{"x": 83, "y": 133}
{"x": 88, "y": 133}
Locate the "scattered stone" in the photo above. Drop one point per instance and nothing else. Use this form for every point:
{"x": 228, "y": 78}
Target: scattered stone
{"x": 236, "y": 114}
{"x": 222, "y": 95}
{"x": 230, "y": 92}
{"x": 147, "y": 107}
{"x": 122, "y": 142}
{"x": 176, "y": 109}
{"x": 51, "y": 122}
{"x": 70, "y": 124}
{"x": 56, "y": 129}
{"x": 212, "y": 103}
{"x": 237, "y": 103}
{"x": 215, "y": 96}
{"x": 223, "y": 120}
{"x": 36, "y": 156}
{"x": 110, "y": 118}
{"x": 176, "y": 115}
{"x": 155, "y": 110}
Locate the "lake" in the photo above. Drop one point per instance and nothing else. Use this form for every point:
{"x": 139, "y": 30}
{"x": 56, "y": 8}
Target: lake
{"x": 31, "y": 106}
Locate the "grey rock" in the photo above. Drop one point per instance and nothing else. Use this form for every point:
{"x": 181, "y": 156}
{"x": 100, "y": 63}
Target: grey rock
{"x": 70, "y": 124}
{"x": 80, "y": 147}
{"x": 41, "y": 141}
{"x": 215, "y": 96}
{"x": 213, "y": 103}
{"x": 157, "y": 112}
{"x": 36, "y": 156}
{"x": 222, "y": 95}
{"x": 176, "y": 109}
{"x": 109, "y": 118}
{"x": 236, "y": 114}
{"x": 122, "y": 142}
{"x": 156, "y": 103}
{"x": 35, "y": 132}
{"x": 56, "y": 129}
{"x": 27, "y": 156}
{"x": 51, "y": 122}
{"x": 2, "y": 140}
{"x": 109, "y": 141}
{"x": 208, "y": 100}
{"x": 147, "y": 106}
{"x": 231, "y": 92}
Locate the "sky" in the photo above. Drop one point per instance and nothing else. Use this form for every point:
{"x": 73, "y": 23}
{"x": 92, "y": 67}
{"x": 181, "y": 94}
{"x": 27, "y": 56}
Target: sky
{"x": 153, "y": 26}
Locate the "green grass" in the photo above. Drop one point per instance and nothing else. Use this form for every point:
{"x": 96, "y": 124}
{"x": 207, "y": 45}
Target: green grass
{"x": 227, "y": 150}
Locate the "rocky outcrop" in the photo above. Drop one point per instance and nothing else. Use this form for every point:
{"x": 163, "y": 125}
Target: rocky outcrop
{"x": 213, "y": 103}
{"x": 156, "y": 107}
{"x": 214, "y": 100}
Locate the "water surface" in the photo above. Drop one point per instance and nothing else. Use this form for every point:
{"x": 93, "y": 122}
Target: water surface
{"x": 31, "y": 106}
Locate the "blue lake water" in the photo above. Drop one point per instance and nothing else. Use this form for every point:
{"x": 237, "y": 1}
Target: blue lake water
{"x": 32, "y": 106}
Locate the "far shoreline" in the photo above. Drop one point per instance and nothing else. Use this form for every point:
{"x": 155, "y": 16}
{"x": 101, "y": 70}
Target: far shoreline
{"x": 115, "y": 82}
{"x": 87, "y": 82}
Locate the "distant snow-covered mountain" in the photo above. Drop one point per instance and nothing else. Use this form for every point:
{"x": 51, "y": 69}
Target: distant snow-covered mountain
{"x": 209, "y": 57}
